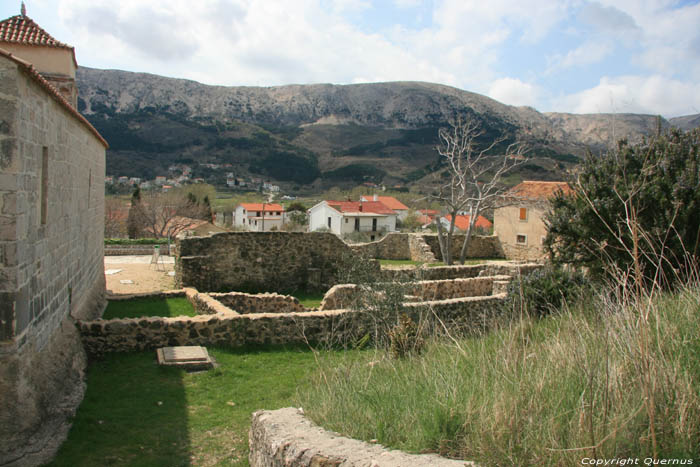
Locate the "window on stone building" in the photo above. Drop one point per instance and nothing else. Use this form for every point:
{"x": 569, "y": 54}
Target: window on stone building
{"x": 44, "y": 184}
{"x": 523, "y": 214}
{"x": 521, "y": 239}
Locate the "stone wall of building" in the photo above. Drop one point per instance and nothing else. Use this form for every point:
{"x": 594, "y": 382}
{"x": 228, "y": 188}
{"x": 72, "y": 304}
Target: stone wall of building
{"x": 286, "y": 438}
{"x": 52, "y": 170}
{"x": 260, "y": 261}
{"x": 460, "y": 315}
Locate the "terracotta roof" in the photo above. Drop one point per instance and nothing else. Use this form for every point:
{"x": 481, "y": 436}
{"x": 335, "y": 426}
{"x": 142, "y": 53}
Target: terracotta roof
{"x": 374, "y": 207}
{"x": 534, "y": 190}
{"x": 388, "y": 201}
{"x": 259, "y": 207}
{"x": 462, "y": 222}
{"x": 22, "y": 29}
{"x": 29, "y": 69}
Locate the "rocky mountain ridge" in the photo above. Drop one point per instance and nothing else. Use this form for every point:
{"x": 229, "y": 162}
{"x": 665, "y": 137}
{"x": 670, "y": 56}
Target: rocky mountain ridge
{"x": 362, "y": 131}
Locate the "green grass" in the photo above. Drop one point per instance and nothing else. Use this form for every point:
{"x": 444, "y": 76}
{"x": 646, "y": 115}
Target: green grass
{"x": 136, "y": 413}
{"x": 309, "y": 299}
{"x": 534, "y": 392}
{"x": 141, "y": 307}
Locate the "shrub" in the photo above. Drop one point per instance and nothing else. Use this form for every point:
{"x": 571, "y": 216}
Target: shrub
{"x": 634, "y": 208}
{"x": 405, "y": 338}
{"x": 136, "y": 241}
{"x": 545, "y": 290}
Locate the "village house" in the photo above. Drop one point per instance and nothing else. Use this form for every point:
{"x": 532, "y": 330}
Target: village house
{"x": 392, "y": 203}
{"x": 259, "y": 217}
{"x": 51, "y": 240}
{"x": 344, "y": 217}
{"x": 482, "y": 225}
{"x": 519, "y": 223}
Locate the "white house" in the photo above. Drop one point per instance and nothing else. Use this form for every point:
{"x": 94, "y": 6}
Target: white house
{"x": 342, "y": 217}
{"x": 390, "y": 202}
{"x": 259, "y": 217}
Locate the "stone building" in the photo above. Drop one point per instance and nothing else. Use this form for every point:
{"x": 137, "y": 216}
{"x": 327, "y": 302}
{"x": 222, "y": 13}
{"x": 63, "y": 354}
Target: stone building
{"x": 519, "y": 223}
{"x": 52, "y": 167}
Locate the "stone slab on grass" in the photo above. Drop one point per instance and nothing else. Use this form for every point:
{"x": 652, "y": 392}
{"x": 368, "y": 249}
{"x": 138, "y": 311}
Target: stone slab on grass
{"x": 189, "y": 357}
{"x": 285, "y": 438}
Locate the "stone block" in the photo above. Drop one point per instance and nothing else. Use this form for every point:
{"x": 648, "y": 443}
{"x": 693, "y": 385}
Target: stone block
{"x": 7, "y": 315}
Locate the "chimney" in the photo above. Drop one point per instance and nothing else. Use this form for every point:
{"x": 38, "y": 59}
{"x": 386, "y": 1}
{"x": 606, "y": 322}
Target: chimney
{"x": 376, "y": 198}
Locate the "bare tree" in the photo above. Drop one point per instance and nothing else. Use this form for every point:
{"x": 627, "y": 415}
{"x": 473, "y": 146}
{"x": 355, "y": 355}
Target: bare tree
{"x": 115, "y": 217}
{"x": 164, "y": 215}
{"x": 475, "y": 173}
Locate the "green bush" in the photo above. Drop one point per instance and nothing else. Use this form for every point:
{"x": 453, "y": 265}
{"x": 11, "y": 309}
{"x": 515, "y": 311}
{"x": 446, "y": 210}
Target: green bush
{"x": 545, "y": 290}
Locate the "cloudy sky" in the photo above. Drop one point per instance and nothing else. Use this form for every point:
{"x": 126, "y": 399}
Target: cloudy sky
{"x": 578, "y": 56}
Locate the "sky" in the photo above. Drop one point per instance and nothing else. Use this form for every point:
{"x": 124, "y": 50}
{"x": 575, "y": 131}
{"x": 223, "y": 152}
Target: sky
{"x": 623, "y": 56}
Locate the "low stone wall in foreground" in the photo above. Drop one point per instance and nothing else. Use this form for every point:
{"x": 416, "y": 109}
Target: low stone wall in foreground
{"x": 285, "y": 438}
{"x": 461, "y": 315}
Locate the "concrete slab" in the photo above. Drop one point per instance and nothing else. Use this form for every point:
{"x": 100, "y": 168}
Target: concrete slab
{"x": 189, "y": 357}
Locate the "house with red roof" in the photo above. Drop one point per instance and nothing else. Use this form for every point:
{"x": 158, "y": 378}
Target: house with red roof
{"x": 344, "y": 217}
{"x": 259, "y": 217}
{"x": 462, "y": 223}
{"x": 519, "y": 220}
{"x": 397, "y": 206}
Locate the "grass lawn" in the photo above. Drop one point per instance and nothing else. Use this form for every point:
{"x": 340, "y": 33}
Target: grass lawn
{"x": 136, "y": 413}
{"x": 140, "y": 307}
{"x": 309, "y": 299}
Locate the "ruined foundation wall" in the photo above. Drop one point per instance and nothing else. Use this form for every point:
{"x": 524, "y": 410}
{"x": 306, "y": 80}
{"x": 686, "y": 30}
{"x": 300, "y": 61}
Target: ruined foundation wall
{"x": 260, "y": 261}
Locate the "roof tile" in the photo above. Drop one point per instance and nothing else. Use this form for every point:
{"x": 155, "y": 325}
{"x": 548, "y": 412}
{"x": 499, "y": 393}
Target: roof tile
{"x": 536, "y": 190}
{"x": 23, "y": 30}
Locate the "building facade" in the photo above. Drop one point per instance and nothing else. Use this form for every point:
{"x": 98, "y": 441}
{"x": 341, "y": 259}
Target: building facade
{"x": 345, "y": 217}
{"x": 52, "y": 168}
{"x": 519, "y": 222}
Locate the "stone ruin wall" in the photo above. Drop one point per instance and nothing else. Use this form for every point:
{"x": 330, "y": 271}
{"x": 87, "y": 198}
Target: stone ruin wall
{"x": 51, "y": 272}
{"x": 260, "y": 261}
{"x": 426, "y": 248}
{"x": 344, "y": 295}
{"x": 286, "y": 438}
{"x": 219, "y": 325}
{"x": 287, "y": 261}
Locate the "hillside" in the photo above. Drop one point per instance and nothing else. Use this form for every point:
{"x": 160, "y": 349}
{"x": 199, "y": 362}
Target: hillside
{"x": 313, "y": 136}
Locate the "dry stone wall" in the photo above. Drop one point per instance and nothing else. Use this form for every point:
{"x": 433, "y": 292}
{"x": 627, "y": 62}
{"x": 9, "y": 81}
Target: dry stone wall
{"x": 286, "y": 438}
{"x": 227, "y": 328}
{"x": 479, "y": 246}
{"x": 260, "y": 261}
{"x": 459, "y": 272}
{"x": 244, "y": 303}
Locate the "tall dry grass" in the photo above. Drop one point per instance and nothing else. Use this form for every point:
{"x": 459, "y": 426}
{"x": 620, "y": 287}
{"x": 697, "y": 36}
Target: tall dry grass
{"x": 616, "y": 376}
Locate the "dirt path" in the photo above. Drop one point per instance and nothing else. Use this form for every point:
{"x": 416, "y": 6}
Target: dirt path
{"x": 143, "y": 276}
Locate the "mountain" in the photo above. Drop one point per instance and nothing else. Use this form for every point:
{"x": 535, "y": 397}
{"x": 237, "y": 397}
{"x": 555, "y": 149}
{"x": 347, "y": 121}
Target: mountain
{"x": 687, "y": 122}
{"x": 321, "y": 135}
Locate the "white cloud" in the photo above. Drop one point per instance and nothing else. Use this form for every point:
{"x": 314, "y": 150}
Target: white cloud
{"x": 512, "y": 91}
{"x": 586, "y": 54}
{"x": 635, "y": 94}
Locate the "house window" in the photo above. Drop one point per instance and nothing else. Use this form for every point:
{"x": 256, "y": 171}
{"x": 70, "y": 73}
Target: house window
{"x": 44, "y": 184}
{"x": 523, "y": 214}
{"x": 521, "y": 239}
{"x": 329, "y": 222}
{"x": 346, "y": 220}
